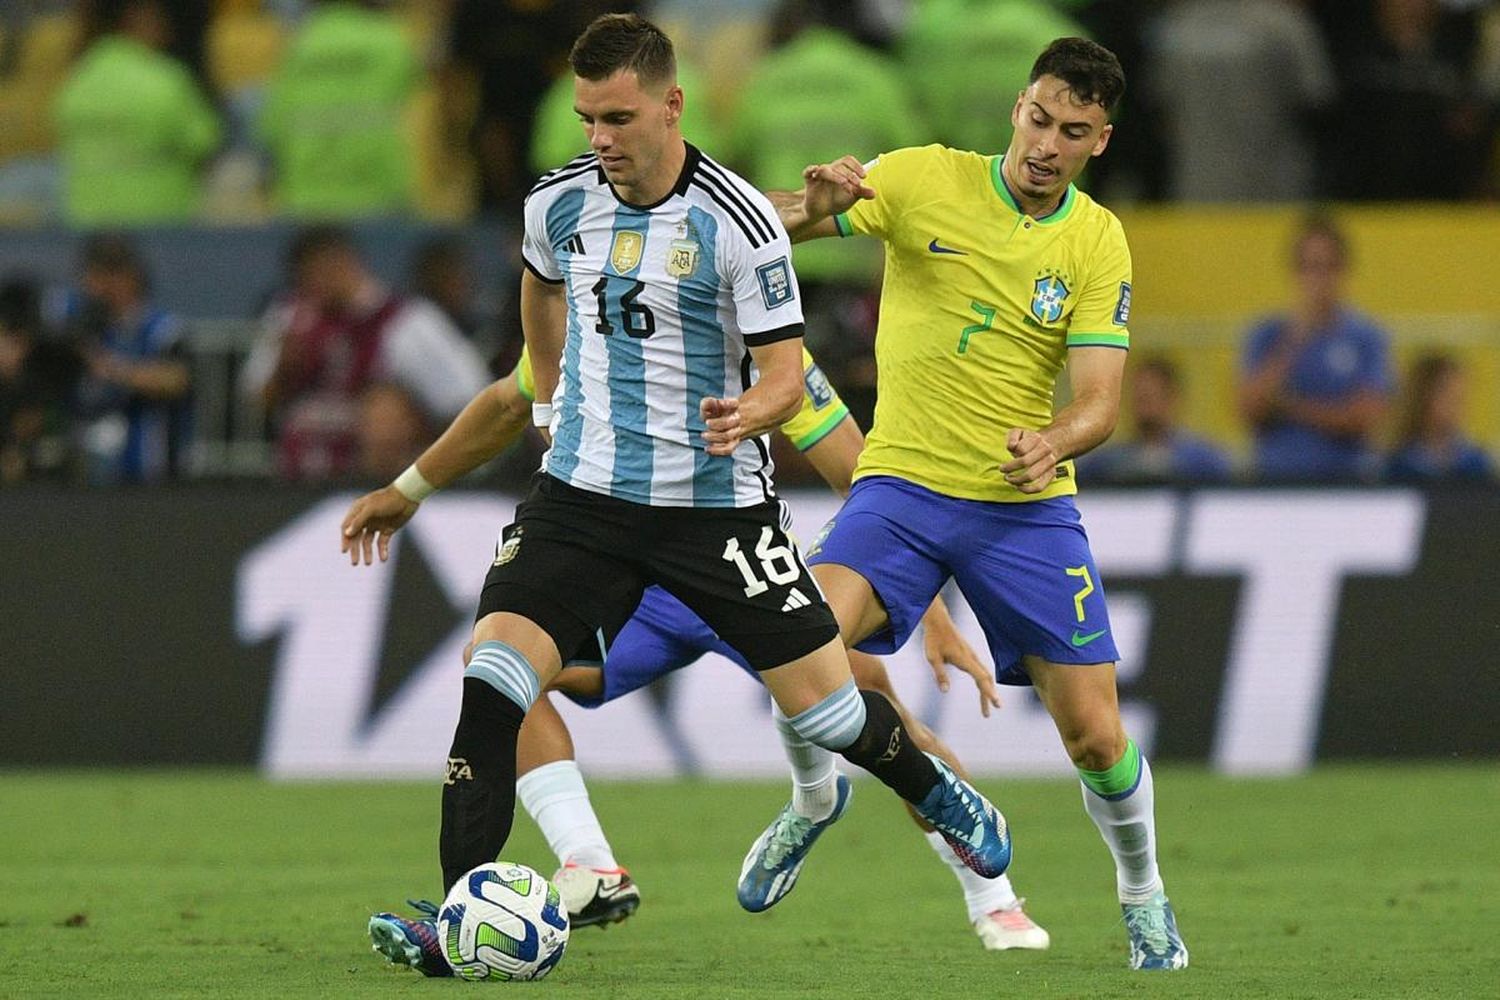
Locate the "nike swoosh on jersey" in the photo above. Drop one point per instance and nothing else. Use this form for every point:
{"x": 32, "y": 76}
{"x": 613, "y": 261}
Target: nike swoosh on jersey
{"x": 935, "y": 247}
{"x": 1084, "y": 640}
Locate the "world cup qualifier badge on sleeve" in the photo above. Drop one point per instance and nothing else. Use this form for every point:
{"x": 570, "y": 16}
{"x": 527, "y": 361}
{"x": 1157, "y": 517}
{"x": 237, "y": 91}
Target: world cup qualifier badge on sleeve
{"x": 776, "y": 286}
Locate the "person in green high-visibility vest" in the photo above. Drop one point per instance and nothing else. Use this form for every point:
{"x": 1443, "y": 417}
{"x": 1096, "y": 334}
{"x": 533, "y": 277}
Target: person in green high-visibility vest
{"x": 134, "y": 129}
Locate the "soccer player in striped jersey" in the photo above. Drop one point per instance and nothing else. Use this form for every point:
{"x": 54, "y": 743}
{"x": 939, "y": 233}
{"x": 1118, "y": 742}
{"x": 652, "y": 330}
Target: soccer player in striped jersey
{"x": 997, "y": 271}
{"x": 661, "y": 312}
{"x": 664, "y": 636}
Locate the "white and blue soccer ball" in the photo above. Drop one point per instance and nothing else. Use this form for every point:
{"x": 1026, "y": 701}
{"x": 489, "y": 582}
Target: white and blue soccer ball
{"x": 503, "y": 921}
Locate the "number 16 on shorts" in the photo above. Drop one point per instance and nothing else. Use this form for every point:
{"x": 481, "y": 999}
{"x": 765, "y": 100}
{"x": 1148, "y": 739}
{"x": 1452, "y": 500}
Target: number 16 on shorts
{"x": 777, "y": 563}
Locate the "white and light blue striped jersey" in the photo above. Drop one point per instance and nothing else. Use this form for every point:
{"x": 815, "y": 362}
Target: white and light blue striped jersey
{"x": 664, "y": 301}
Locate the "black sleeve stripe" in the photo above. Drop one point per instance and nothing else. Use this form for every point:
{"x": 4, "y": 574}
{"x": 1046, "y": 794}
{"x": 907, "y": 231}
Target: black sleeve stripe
{"x": 773, "y": 336}
{"x": 721, "y": 177}
{"x": 540, "y": 276}
{"x": 755, "y": 240}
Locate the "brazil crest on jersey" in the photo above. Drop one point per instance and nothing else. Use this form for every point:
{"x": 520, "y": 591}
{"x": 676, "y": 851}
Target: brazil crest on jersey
{"x": 979, "y": 307}
{"x": 664, "y": 302}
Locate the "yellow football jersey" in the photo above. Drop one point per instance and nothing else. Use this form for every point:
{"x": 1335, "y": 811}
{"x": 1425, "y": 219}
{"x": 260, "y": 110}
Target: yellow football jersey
{"x": 979, "y": 306}
{"x": 822, "y": 409}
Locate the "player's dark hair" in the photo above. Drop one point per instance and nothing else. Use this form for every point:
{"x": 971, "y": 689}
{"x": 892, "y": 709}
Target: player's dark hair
{"x": 615, "y": 42}
{"x": 1088, "y": 68}
{"x": 1320, "y": 225}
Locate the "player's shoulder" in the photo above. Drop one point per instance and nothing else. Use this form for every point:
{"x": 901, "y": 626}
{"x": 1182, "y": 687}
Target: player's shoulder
{"x": 915, "y": 160}
{"x": 747, "y": 213}
{"x": 580, "y": 171}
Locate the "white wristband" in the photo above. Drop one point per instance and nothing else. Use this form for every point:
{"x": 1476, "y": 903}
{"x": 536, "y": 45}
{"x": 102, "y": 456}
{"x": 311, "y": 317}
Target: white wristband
{"x": 541, "y": 414}
{"x": 413, "y": 485}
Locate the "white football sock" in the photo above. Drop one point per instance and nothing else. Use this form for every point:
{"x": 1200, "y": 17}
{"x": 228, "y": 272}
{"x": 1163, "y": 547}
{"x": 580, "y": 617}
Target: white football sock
{"x": 981, "y": 895}
{"x": 556, "y": 797}
{"x": 1128, "y": 826}
{"x": 814, "y": 777}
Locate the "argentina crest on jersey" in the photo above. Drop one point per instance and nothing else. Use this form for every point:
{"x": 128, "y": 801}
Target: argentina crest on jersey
{"x": 1048, "y": 296}
{"x": 682, "y": 253}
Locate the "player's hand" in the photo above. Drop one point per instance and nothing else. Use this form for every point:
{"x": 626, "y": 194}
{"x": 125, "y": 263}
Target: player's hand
{"x": 831, "y": 188}
{"x": 1035, "y": 463}
{"x": 942, "y": 644}
{"x": 370, "y": 523}
{"x": 725, "y": 428}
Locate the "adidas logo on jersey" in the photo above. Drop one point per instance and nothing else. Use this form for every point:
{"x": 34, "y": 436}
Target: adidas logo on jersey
{"x": 573, "y": 244}
{"x": 796, "y": 599}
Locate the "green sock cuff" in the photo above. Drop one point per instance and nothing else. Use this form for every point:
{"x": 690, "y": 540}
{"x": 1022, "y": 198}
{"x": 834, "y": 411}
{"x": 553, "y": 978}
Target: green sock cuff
{"x": 1115, "y": 781}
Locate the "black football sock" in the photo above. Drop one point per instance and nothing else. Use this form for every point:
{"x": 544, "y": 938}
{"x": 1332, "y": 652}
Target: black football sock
{"x": 479, "y": 791}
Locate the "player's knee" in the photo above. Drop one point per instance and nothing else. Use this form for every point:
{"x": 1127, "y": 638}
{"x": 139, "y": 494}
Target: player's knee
{"x": 835, "y": 722}
{"x": 1095, "y": 749}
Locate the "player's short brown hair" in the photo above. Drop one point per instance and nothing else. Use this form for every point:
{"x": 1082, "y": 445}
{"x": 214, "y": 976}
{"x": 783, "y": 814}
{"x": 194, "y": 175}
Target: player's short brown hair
{"x": 616, "y": 42}
{"x": 1091, "y": 70}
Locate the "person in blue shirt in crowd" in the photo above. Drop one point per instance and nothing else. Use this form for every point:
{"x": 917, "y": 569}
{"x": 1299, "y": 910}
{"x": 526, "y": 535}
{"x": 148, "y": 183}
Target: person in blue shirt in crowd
{"x": 132, "y": 401}
{"x": 1160, "y": 452}
{"x": 1432, "y": 445}
{"x": 1316, "y": 382}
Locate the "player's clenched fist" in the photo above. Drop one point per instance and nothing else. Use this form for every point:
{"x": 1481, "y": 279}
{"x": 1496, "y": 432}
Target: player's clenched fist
{"x": 725, "y": 427}
{"x": 830, "y": 188}
{"x": 370, "y": 523}
{"x": 1035, "y": 463}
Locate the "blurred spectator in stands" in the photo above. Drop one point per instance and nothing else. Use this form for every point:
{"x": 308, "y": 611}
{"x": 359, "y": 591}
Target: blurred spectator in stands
{"x": 1432, "y": 445}
{"x": 817, "y": 95}
{"x": 333, "y": 119}
{"x": 337, "y": 334}
{"x": 132, "y": 402}
{"x": 1316, "y": 382}
{"x": 1161, "y": 451}
{"x": 1225, "y": 73}
{"x": 393, "y": 431}
{"x": 507, "y": 53}
{"x": 134, "y": 128}
{"x": 443, "y": 274}
{"x": 1412, "y": 122}
{"x": 37, "y": 378}
{"x": 966, "y": 60}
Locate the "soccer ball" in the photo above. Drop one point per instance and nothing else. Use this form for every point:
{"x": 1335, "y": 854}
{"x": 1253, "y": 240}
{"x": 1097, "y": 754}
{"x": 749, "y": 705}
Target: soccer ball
{"x": 503, "y": 921}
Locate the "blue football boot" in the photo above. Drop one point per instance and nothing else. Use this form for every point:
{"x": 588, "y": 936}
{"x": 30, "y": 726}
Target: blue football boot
{"x": 968, "y": 822}
{"x": 411, "y": 942}
{"x": 1154, "y": 941}
{"x": 776, "y": 858}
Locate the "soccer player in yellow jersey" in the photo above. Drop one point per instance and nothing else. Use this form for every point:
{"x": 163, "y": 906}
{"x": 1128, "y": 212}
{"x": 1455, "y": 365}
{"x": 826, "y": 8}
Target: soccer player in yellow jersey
{"x": 998, "y": 273}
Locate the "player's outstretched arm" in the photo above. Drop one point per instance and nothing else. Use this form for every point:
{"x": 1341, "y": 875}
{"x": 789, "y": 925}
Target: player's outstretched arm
{"x": 1095, "y": 375}
{"x": 486, "y": 427}
{"x": 827, "y": 190}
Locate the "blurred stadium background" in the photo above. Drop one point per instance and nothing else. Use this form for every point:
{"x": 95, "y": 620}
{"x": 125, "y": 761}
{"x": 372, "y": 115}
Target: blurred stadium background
{"x": 180, "y": 181}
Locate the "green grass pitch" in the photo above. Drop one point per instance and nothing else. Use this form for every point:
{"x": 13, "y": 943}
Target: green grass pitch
{"x": 1351, "y": 882}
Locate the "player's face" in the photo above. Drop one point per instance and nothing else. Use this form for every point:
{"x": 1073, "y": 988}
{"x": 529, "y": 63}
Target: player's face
{"x": 628, "y": 125}
{"x": 1055, "y": 137}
